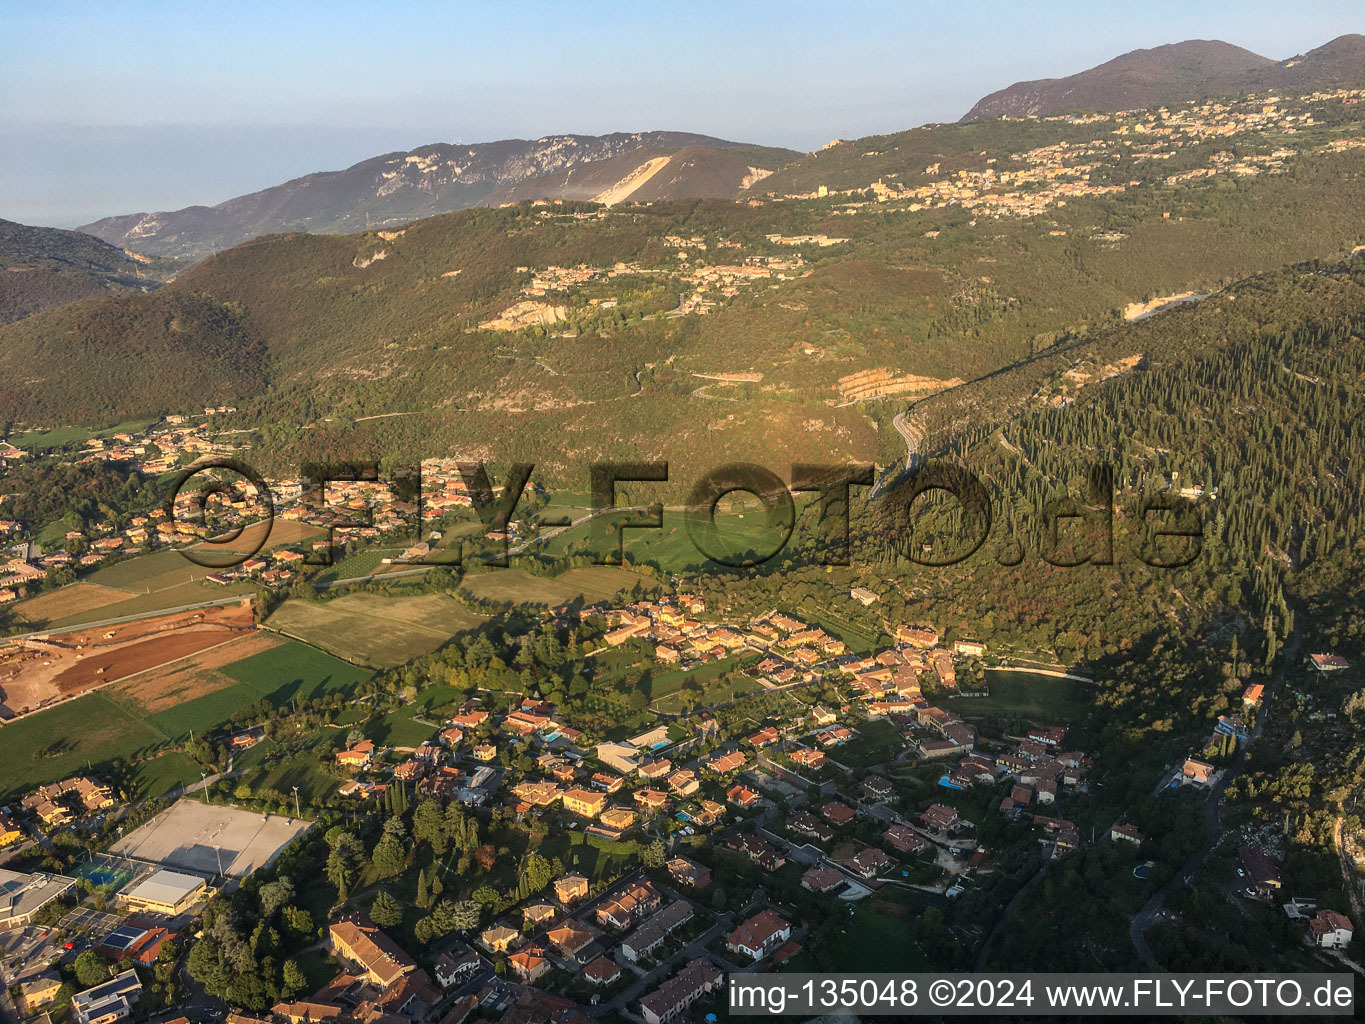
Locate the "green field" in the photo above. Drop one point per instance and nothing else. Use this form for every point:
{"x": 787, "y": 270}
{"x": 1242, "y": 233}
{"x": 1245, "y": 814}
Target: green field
{"x": 78, "y": 735}
{"x": 63, "y": 740}
{"x": 360, "y": 564}
{"x": 513, "y": 586}
{"x": 374, "y": 630}
{"x": 672, "y": 548}
{"x": 295, "y": 670}
{"x": 63, "y": 436}
{"x": 1044, "y": 700}
{"x": 877, "y": 936}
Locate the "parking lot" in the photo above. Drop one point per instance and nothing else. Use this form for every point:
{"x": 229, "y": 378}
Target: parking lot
{"x": 92, "y": 923}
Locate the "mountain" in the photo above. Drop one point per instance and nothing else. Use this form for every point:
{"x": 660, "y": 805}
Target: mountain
{"x": 400, "y": 187}
{"x": 1141, "y": 78}
{"x": 45, "y": 267}
{"x": 707, "y": 331}
{"x": 651, "y": 175}
{"x": 1174, "y": 73}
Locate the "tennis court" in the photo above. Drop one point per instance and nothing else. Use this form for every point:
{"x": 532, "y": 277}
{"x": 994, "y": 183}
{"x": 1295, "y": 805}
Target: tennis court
{"x": 103, "y": 875}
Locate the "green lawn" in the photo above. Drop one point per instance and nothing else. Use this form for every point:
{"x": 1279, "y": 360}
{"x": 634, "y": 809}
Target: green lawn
{"x": 1041, "y": 699}
{"x": 877, "y": 936}
{"x": 159, "y": 775}
{"x": 62, "y": 740}
{"x": 399, "y": 729}
{"x": 878, "y": 742}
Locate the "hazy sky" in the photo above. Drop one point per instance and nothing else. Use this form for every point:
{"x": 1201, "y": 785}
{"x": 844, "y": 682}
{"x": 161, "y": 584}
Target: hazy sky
{"x": 122, "y": 107}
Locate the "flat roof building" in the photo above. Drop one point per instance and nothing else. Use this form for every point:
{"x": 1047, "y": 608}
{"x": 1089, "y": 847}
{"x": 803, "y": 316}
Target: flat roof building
{"x": 169, "y": 893}
{"x": 23, "y": 895}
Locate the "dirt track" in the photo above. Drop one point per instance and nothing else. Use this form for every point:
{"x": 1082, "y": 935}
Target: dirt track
{"x": 40, "y": 670}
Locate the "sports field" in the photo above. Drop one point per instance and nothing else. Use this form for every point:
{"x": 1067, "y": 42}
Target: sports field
{"x": 374, "y": 630}
{"x": 198, "y": 837}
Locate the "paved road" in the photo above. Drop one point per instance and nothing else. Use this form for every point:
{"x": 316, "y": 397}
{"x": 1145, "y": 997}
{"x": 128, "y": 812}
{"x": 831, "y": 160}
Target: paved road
{"x": 1151, "y": 910}
{"x": 913, "y": 439}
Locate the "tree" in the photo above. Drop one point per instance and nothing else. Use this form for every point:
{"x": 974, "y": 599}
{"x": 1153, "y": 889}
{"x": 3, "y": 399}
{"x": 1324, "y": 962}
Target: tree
{"x": 389, "y": 856}
{"x": 385, "y": 911}
{"x": 343, "y": 863}
{"x": 653, "y": 855}
{"x": 91, "y": 969}
{"x": 429, "y": 826}
{"x": 292, "y": 978}
{"x": 423, "y": 898}
{"x": 486, "y": 856}
{"x": 274, "y": 895}
{"x": 537, "y": 872}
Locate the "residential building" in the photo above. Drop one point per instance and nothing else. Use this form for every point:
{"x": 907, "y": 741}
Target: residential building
{"x": 529, "y": 964}
{"x": 628, "y": 905}
{"x": 671, "y": 999}
{"x": 823, "y": 879}
{"x": 1126, "y": 833}
{"x": 603, "y": 971}
{"x": 379, "y": 958}
{"x": 760, "y": 935}
{"x": 571, "y": 888}
{"x": 109, "y": 1002}
{"x": 689, "y": 873}
{"x": 1330, "y": 929}
{"x": 645, "y": 939}
{"x": 584, "y": 802}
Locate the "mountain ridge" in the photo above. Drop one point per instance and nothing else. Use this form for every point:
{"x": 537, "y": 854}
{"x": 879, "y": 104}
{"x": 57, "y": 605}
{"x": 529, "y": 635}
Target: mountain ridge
{"x": 1175, "y": 72}
{"x": 386, "y": 190}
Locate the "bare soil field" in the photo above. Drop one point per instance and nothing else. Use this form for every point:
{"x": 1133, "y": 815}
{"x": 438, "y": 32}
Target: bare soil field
{"x": 39, "y": 670}
{"x": 72, "y": 600}
{"x": 195, "y": 676}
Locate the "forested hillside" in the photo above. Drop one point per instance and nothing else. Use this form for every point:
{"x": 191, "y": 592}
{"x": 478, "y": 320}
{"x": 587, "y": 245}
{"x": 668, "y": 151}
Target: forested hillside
{"x": 45, "y": 267}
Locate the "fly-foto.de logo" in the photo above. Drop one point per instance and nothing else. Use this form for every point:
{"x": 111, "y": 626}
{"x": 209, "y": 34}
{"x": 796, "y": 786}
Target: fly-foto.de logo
{"x": 938, "y": 514}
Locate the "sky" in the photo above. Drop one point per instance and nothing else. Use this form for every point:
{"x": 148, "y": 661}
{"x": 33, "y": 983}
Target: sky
{"x": 142, "y": 106}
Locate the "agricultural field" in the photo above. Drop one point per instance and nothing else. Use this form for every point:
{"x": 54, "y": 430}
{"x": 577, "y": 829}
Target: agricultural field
{"x": 277, "y": 533}
{"x": 194, "y": 677}
{"x": 67, "y": 602}
{"x": 178, "y": 595}
{"x": 295, "y": 670}
{"x": 369, "y": 562}
{"x": 513, "y": 586}
{"x": 63, "y": 436}
{"x": 62, "y": 740}
{"x": 108, "y": 724}
{"x": 374, "y": 630}
{"x": 40, "y": 670}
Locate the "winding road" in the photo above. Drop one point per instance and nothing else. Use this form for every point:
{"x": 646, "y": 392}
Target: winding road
{"x": 913, "y": 439}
